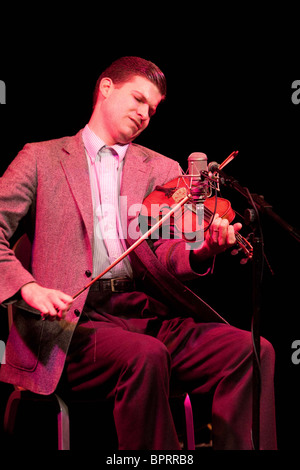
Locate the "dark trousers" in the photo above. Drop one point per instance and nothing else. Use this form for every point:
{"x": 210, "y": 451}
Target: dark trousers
{"x": 124, "y": 349}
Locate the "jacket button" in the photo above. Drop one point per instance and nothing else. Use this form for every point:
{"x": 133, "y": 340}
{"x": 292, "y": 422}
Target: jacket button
{"x": 88, "y": 273}
{"x": 77, "y": 312}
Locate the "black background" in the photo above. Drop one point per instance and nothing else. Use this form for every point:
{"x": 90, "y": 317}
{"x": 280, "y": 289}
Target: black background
{"x": 229, "y": 78}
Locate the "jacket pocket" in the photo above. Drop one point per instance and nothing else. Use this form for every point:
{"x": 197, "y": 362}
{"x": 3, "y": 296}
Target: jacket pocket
{"x": 24, "y": 341}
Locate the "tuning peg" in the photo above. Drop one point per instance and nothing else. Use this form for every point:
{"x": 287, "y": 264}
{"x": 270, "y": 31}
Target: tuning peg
{"x": 235, "y": 251}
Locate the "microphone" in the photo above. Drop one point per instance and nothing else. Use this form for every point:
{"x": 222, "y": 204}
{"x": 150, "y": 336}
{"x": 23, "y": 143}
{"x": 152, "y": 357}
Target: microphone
{"x": 197, "y": 166}
{"x": 215, "y": 170}
{"x": 213, "y": 167}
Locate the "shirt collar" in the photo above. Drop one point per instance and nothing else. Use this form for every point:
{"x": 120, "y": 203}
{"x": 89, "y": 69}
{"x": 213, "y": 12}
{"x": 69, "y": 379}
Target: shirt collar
{"x": 93, "y": 144}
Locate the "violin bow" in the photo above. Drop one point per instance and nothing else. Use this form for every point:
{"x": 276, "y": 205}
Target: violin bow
{"x": 135, "y": 244}
{"x": 148, "y": 233}
{"x": 228, "y": 159}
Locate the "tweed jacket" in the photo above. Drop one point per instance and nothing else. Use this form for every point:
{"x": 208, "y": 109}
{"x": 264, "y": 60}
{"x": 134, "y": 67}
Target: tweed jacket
{"x": 48, "y": 185}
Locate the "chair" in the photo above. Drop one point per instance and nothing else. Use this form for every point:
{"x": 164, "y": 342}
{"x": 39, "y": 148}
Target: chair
{"x": 22, "y": 249}
{"x": 62, "y": 413}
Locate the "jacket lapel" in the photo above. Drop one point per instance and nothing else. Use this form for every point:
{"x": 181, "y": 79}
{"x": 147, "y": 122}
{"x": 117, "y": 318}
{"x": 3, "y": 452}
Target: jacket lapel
{"x": 136, "y": 171}
{"x": 75, "y": 166}
{"x": 136, "y": 174}
{"x": 135, "y": 182}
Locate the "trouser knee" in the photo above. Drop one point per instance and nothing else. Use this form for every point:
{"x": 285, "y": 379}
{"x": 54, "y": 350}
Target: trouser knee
{"x": 153, "y": 358}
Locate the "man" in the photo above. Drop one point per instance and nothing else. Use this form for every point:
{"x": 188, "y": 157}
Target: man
{"x": 138, "y": 333}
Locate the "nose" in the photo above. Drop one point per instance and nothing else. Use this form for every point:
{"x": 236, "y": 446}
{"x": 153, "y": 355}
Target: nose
{"x": 143, "y": 111}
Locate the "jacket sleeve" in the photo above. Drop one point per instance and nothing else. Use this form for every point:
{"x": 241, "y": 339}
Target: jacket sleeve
{"x": 175, "y": 256}
{"x": 17, "y": 194}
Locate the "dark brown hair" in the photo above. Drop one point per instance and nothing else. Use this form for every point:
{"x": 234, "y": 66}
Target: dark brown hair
{"x": 123, "y": 69}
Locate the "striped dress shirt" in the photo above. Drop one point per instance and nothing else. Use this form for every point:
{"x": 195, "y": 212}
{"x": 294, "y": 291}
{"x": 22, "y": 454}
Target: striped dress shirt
{"x": 105, "y": 171}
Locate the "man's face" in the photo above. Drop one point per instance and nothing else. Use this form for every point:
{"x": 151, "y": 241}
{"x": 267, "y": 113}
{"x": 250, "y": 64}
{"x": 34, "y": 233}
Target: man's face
{"x": 127, "y": 108}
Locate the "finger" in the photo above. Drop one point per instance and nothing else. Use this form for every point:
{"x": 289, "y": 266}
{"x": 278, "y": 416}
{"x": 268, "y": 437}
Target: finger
{"x": 45, "y": 310}
{"x": 232, "y": 230}
{"x": 58, "y": 296}
{"x": 47, "y": 315}
{"x": 49, "y": 309}
{"x": 62, "y": 311}
{"x": 61, "y": 305}
{"x": 214, "y": 230}
{"x": 216, "y": 220}
{"x": 237, "y": 227}
{"x": 231, "y": 239}
{"x": 59, "y": 301}
{"x": 52, "y": 313}
{"x": 65, "y": 297}
{"x": 219, "y": 234}
{"x": 50, "y": 317}
{"x": 61, "y": 314}
{"x": 223, "y": 232}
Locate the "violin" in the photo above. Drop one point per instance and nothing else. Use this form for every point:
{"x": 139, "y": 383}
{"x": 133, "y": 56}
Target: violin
{"x": 184, "y": 222}
{"x": 172, "y": 202}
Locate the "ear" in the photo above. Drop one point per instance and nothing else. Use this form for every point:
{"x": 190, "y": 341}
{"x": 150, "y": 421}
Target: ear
{"x": 106, "y": 87}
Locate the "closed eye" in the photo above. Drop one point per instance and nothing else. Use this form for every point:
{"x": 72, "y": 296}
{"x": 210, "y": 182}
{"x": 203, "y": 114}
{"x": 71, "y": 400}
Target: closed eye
{"x": 142, "y": 99}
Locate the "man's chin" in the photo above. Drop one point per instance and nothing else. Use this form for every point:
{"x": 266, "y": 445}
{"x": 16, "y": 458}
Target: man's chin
{"x": 126, "y": 138}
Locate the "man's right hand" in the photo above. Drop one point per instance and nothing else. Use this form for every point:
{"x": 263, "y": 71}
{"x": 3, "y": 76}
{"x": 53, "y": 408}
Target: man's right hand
{"x": 53, "y": 304}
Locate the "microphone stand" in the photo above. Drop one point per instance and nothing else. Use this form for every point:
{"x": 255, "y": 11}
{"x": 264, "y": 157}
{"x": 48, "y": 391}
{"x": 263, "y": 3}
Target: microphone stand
{"x": 252, "y": 217}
